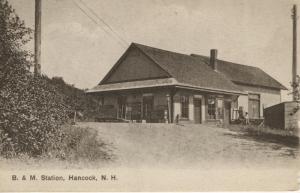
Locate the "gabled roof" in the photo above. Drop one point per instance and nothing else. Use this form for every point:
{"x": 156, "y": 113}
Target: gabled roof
{"x": 191, "y": 72}
{"x": 243, "y": 74}
{"x": 188, "y": 70}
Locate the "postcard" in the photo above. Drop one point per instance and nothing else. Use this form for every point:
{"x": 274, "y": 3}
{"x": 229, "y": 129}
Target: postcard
{"x": 147, "y": 96}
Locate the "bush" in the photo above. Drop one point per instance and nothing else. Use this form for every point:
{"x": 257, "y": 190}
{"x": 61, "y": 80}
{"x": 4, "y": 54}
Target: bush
{"x": 87, "y": 106}
{"x": 31, "y": 115}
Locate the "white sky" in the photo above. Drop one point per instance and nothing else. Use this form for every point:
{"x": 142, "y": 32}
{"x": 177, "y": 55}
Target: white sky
{"x": 251, "y": 32}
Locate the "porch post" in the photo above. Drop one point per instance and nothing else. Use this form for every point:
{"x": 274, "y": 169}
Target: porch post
{"x": 169, "y": 108}
{"x": 142, "y": 108}
{"x": 191, "y": 108}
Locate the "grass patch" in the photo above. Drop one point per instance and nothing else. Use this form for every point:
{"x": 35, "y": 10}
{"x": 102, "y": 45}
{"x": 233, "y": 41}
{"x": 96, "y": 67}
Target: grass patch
{"x": 83, "y": 143}
{"x": 266, "y": 134}
{"x": 80, "y": 147}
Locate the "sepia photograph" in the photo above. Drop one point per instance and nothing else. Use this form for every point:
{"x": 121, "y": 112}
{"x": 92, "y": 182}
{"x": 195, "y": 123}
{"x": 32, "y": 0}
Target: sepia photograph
{"x": 149, "y": 95}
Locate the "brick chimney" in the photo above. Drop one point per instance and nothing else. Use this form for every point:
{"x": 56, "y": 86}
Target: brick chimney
{"x": 213, "y": 59}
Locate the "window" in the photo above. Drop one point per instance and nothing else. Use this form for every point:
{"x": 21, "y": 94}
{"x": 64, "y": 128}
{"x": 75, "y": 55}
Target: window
{"x": 184, "y": 106}
{"x": 211, "y": 107}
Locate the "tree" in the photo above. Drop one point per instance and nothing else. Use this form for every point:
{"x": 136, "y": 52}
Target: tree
{"x": 31, "y": 109}
{"x": 13, "y": 35}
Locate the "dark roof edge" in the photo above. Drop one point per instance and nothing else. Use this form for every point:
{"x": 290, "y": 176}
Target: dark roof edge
{"x": 263, "y": 86}
{"x": 210, "y": 89}
{"x": 178, "y": 85}
{"x": 133, "y": 80}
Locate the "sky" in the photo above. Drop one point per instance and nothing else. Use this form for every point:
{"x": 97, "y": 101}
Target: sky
{"x": 82, "y": 49}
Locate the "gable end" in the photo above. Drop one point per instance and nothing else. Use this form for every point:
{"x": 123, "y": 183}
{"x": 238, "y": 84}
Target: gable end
{"x": 134, "y": 65}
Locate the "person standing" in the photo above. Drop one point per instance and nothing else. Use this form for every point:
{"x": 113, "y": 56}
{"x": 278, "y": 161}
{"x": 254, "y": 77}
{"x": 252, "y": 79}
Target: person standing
{"x": 247, "y": 119}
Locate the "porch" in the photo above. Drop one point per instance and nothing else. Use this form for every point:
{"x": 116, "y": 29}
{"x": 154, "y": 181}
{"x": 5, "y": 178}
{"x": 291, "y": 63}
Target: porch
{"x": 168, "y": 105}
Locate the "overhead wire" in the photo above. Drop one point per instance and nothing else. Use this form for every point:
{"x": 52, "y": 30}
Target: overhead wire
{"x": 91, "y": 18}
{"x": 104, "y": 22}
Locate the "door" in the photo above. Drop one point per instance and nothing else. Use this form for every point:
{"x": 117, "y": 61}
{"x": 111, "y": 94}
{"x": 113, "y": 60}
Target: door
{"x": 147, "y": 107}
{"x": 197, "y": 110}
{"x": 253, "y": 109}
{"x": 227, "y": 114}
{"x": 122, "y": 107}
{"x": 254, "y": 106}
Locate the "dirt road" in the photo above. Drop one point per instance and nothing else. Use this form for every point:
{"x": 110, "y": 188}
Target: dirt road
{"x": 190, "y": 146}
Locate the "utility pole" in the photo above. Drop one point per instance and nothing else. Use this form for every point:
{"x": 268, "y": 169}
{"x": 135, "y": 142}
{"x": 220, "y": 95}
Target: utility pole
{"x": 37, "y": 37}
{"x": 294, "y": 68}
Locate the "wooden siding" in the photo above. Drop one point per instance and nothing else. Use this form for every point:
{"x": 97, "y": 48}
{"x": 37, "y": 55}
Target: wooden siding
{"x": 135, "y": 66}
{"x": 274, "y": 116}
{"x": 283, "y": 116}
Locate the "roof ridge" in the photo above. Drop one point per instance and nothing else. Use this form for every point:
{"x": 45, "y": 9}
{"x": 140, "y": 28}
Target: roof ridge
{"x": 159, "y": 49}
{"x": 222, "y": 60}
{"x": 189, "y": 55}
{"x": 225, "y": 63}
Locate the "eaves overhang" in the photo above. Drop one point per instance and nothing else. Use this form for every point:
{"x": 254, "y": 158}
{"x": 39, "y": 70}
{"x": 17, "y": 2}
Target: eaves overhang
{"x": 159, "y": 83}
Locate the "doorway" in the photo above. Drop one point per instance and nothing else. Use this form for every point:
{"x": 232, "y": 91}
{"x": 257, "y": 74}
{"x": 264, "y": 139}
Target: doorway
{"x": 197, "y": 110}
{"x": 227, "y": 114}
{"x": 254, "y": 106}
{"x": 121, "y": 114}
{"x": 147, "y": 107}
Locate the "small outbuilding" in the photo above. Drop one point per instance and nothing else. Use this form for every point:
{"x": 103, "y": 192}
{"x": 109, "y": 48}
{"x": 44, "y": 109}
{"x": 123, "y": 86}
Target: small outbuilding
{"x": 284, "y": 115}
